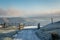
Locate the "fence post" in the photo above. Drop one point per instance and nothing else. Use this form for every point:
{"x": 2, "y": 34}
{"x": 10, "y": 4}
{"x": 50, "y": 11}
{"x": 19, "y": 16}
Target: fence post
{"x": 52, "y": 20}
{"x": 21, "y": 26}
{"x": 38, "y": 25}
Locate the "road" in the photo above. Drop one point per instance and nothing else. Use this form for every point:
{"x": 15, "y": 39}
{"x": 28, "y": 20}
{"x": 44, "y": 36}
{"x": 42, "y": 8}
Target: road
{"x": 26, "y": 34}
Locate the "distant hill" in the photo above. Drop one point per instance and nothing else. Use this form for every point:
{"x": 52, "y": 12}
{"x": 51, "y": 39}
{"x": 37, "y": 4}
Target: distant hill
{"x": 16, "y": 21}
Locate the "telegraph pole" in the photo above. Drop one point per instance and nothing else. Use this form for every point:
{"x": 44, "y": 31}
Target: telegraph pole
{"x": 51, "y": 20}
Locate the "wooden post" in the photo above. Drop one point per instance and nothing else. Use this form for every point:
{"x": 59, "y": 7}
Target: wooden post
{"x": 21, "y": 26}
{"x": 38, "y": 25}
{"x": 4, "y": 25}
{"x": 52, "y": 20}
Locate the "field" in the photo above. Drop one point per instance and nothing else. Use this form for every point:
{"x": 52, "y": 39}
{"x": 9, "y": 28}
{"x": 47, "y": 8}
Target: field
{"x": 7, "y": 33}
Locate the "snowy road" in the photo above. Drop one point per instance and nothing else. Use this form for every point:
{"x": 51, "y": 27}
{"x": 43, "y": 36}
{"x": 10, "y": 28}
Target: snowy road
{"x": 27, "y": 34}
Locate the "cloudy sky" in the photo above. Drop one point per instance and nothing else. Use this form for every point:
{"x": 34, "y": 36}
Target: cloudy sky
{"x": 29, "y": 8}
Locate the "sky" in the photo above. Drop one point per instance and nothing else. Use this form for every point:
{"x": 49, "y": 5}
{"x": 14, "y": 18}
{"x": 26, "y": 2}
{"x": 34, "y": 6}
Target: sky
{"x": 29, "y": 8}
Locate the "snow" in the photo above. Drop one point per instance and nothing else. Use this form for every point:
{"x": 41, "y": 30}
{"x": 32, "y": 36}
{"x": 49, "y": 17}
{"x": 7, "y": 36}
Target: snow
{"x": 26, "y": 35}
{"x": 31, "y": 27}
{"x": 32, "y": 34}
{"x": 43, "y": 35}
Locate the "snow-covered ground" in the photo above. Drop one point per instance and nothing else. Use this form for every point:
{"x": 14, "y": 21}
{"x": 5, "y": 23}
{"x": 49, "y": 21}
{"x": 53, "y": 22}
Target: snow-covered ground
{"x": 28, "y": 34}
{"x": 31, "y": 27}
